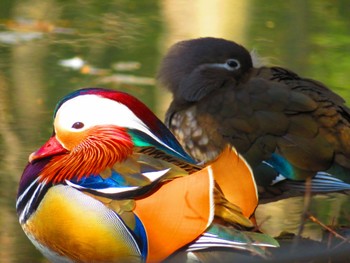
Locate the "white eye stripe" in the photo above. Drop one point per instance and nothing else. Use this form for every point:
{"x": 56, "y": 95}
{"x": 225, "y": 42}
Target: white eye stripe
{"x": 86, "y": 111}
{"x": 225, "y": 66}
{"x": 92, "y": 110}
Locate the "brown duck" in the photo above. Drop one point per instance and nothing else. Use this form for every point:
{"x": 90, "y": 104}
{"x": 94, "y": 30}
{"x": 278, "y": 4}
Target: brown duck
{"x": 283, "y": 124}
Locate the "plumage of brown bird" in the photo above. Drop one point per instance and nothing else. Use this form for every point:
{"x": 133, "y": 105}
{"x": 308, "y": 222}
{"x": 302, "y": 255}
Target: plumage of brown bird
{"x": 283, "y": 124}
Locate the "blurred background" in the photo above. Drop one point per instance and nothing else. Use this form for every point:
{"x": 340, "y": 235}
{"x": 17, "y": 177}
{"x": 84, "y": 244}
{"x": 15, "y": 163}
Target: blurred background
{"x": 49, "y": 48}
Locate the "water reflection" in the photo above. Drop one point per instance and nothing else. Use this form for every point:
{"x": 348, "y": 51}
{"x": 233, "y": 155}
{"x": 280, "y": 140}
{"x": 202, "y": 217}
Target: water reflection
{"x": 119, "y": 44}
{"x": 12, "y": 159}
{"x": 285, "y": 215}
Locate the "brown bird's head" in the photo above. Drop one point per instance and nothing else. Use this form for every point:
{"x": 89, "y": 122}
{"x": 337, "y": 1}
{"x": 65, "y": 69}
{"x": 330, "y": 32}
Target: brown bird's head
{"x": 194, "y": 68}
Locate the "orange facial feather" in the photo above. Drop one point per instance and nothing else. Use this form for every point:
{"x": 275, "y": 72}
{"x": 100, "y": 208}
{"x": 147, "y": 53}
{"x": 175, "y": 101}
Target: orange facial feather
{"x": 95, "y": 150}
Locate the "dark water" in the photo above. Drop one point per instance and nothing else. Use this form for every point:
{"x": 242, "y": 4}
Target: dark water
{"x": 49, "y": 48}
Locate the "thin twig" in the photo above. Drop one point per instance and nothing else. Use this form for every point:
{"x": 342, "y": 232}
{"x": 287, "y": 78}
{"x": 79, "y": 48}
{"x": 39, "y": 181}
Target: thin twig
{"x": 315, "y": 220}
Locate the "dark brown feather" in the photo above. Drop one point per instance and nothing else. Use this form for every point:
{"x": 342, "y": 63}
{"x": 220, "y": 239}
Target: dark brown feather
{"x": 260, "y": 111}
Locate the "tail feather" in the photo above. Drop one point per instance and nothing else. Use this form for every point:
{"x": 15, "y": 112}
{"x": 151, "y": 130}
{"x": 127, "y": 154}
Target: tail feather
{"x": 321, "y": 182}
{"x": 219, "y": 236}
{"x": 229, "y": 212}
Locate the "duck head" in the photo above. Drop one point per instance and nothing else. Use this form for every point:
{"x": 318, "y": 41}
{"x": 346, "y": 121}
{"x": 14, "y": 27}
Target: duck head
{"x": 95, "y": 128}
{"x": 194, "y": 68}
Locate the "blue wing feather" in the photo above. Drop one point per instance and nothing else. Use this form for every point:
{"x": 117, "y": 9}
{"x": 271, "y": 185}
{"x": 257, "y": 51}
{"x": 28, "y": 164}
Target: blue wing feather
{"x": 98, "y": 182}
{"x": 281, "y": 165}
{"x": 115, "y": 186}
{"x": 141, "y": 237}
{"x": 321, "y": 182}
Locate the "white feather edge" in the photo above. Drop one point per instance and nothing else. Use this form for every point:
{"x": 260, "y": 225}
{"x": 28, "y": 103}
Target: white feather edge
{"x": 208, "y": 240}
{"x": 211, "y": 196}
{"x": 250, "y": 170}
{"x": 153, "y": 176}
{"x": 258, "y": 61}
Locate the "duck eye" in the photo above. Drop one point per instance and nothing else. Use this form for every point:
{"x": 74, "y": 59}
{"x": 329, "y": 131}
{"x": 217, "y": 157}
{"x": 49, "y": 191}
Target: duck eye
{"x": 233, "y": 63}
{"x": 78, "y": 125}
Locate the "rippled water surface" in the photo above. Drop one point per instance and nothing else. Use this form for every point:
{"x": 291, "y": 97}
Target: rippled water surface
{"x": 49, "y": 48}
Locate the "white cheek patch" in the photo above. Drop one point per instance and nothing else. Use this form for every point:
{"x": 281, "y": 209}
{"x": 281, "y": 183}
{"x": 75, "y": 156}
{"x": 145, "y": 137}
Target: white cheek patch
{"x": 92, "y": 110}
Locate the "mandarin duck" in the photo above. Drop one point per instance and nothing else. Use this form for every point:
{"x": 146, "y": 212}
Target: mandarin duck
{"x": 112, "y": 184}
{"x": 287, "y": 127}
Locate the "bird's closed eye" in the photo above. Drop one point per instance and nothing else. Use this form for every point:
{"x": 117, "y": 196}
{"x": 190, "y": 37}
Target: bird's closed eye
{"x": 78, "y": 125}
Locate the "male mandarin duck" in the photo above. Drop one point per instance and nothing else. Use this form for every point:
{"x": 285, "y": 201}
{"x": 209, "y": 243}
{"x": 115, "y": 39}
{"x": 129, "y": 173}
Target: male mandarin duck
{"x": 281, "y": 123}
{"x": 112, "y": 184}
